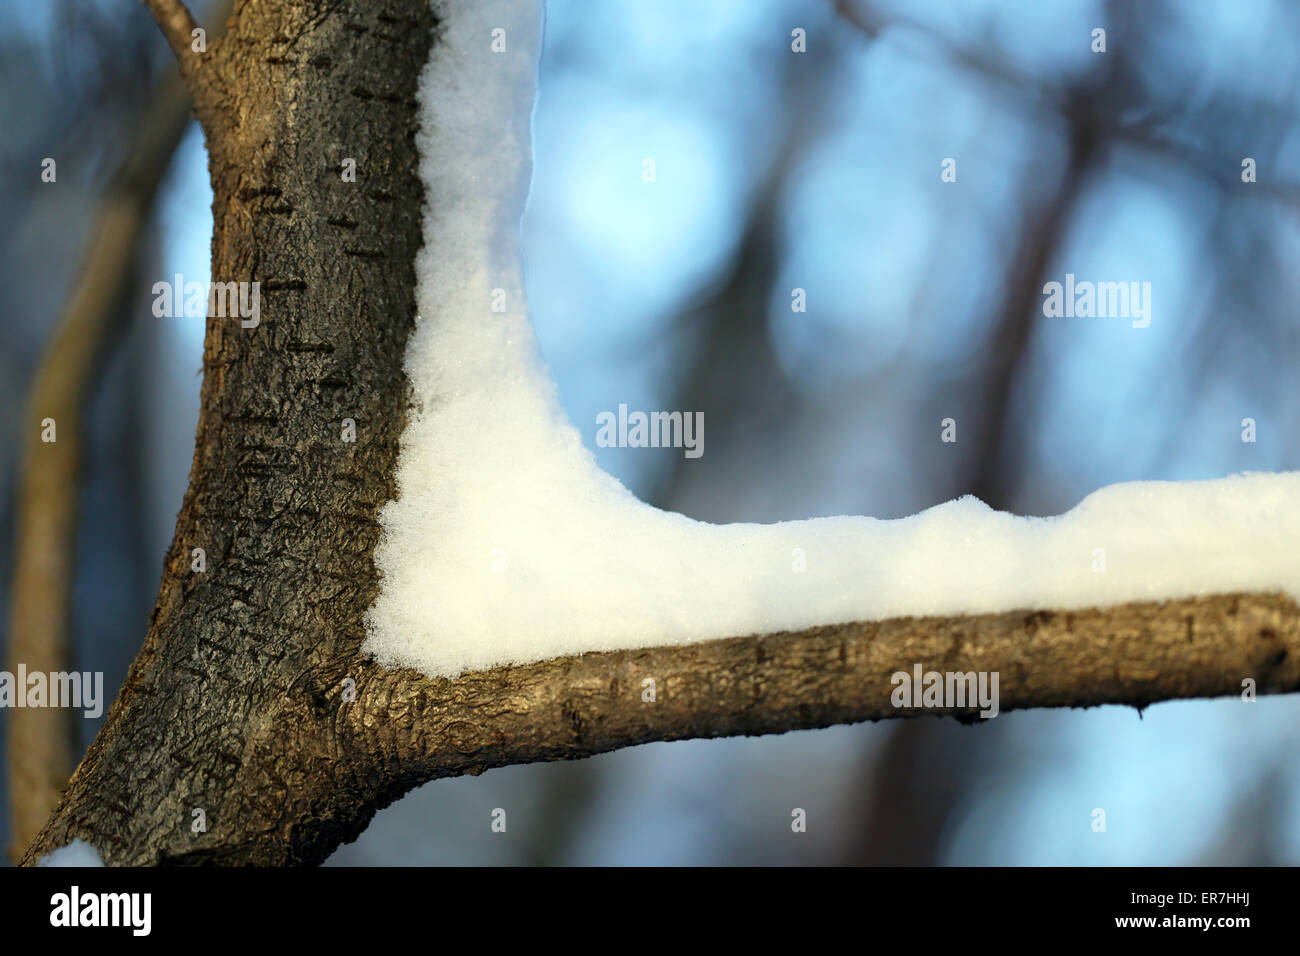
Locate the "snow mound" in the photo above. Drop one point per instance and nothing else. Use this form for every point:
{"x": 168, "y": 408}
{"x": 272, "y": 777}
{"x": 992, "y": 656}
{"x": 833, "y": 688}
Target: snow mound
{"x": 507, "y": 544}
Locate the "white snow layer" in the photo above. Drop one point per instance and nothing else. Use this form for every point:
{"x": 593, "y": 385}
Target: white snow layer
{"x": 76, "y": 853}
{"x": 507, "y": 544}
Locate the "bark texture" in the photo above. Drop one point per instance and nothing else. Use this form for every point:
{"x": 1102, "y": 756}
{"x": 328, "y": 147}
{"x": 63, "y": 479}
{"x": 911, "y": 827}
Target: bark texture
{"x": 250, "y": 701}
{"x": 239, "y": 658}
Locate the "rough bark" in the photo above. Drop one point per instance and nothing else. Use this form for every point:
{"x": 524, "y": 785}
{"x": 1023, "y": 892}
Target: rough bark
{"x": 239, "y": 704}
{"x": 284, "y": 509}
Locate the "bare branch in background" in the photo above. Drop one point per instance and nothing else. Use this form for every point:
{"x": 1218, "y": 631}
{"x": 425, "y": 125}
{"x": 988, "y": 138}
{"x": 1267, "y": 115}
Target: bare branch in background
{"x": 41, "y": 738}
{"x": 1153, "y": 134}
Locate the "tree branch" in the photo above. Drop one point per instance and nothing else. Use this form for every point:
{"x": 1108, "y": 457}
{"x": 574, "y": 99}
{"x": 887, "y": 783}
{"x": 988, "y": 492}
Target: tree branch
{"x": 178, "y": 26}
{"x": 251, "y": 708}
{"x": 1133, "y": 654}
{"x": 313, "y": 775}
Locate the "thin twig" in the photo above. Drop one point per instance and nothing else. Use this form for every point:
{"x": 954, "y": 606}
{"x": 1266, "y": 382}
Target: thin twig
{"x": 178, "y": 26}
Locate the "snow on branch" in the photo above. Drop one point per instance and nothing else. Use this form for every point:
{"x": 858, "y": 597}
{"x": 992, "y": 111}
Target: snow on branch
{"x": 507, "y": 544}
{"x": 490, "y": 469}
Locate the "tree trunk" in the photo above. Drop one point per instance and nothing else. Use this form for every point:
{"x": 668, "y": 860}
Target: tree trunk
{"x": 228, "y": 706}
{"x": 250, "y": 728}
